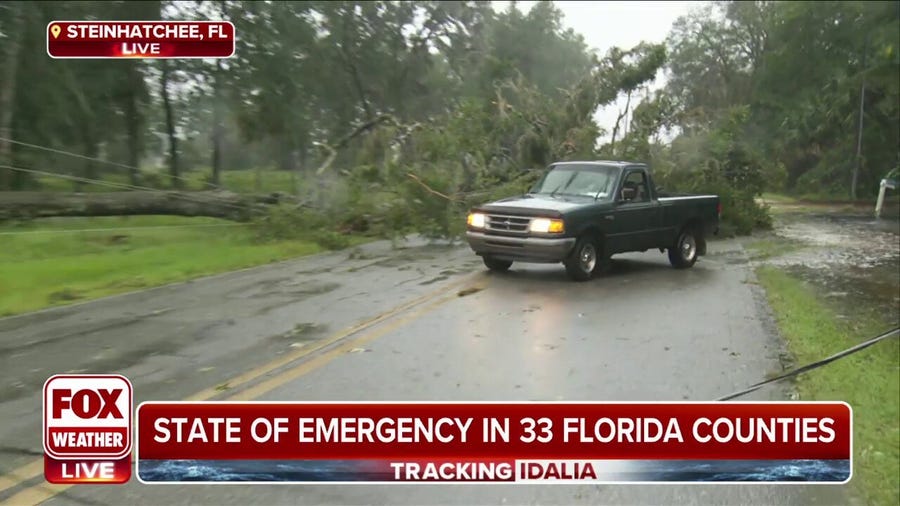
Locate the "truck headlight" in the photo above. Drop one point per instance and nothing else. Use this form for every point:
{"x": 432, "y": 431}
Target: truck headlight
{"x": 476, "y": 220}
{"x": 547, "y": 225}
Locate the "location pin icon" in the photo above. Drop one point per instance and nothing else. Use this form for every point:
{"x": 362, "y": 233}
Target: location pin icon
{"x": 55, "y": 29}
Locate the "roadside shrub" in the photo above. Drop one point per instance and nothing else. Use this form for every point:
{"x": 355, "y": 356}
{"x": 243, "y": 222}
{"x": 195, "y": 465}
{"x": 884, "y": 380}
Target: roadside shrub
{"x": 720, "y": 161}
{"x": 365, "y": 202}
{"x": 741, "y": 213}
{"x": 330, "y": 239}
{"x": 287, "y": 222}
{"x": 284, "y": 222}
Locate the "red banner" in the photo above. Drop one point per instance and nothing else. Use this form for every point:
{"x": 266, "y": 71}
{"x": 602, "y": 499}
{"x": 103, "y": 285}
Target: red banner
{"x": 91, "y": 472}
{"x": 140, "y": 39}
{"x": 704, "y": 430}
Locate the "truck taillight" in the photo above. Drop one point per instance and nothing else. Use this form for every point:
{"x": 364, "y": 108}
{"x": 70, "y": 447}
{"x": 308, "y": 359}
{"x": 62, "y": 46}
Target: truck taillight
{"x": 719, "y": 208}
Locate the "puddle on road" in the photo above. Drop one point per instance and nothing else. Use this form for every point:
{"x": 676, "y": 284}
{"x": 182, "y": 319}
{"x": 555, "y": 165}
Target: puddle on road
{"x": 873, "y": 288}
{"x": 839, "y": 240}
{"x": 731, "y": 257}
{"x": 853, "y": 260}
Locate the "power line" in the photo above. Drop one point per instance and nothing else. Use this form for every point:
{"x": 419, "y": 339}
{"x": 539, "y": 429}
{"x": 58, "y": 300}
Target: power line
{"x": 862, "y": 109}
{"x": 111, "y": 184}
{"x": 130, "y": 167}
{"x": 93, "y": 159}
{"x": 116, "y": 164}
{"x": 815, "y": 365}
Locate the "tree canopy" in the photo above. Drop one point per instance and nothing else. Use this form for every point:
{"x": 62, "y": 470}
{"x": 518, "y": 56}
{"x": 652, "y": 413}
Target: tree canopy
{"x": 802, "y": 73}
{"x": 392, "y": 105}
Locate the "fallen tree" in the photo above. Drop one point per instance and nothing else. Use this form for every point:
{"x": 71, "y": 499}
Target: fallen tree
{"x": 216, "y": 204}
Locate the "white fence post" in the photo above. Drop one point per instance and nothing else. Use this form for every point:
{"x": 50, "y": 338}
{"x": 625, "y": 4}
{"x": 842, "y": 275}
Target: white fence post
{"x": 880, "y": 202}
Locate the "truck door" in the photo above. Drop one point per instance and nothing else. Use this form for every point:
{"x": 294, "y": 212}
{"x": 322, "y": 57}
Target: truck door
{"x": 636, "y": 214}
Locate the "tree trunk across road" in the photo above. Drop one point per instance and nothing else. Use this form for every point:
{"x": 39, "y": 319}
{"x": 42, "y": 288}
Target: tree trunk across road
{"x": 214, "y": 204}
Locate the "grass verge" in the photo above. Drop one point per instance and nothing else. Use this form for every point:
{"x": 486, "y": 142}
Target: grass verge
{"x": 869, "y": 381}
{"x": 59, "y": 261}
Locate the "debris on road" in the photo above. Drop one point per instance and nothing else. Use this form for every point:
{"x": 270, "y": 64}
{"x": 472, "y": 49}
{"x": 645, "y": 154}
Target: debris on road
{"x": 469, "y": 291}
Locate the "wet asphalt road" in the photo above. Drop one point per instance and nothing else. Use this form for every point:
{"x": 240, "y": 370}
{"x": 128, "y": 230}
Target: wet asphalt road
{"x": 643, "y": 332}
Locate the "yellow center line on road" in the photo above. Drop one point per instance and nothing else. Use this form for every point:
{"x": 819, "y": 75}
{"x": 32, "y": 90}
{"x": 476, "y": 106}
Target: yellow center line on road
{"x": 36, "y": 494}
{"x": 43, "y": 491}
{"x": 305, "y": 367}
{"x": 262, "y": 370}
{"x": 24, "y": 473}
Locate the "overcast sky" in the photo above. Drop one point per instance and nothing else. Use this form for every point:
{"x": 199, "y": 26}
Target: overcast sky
{"x": 622, "y": 24}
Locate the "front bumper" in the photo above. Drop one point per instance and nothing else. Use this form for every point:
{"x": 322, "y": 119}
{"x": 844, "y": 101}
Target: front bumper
{"x": 521, "y": 249}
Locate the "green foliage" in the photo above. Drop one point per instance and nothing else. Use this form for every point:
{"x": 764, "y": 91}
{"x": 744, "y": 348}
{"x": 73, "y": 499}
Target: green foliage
{"x": 510, "y": 44}
{"x": 425, "y": 179}
{"x": 741, "y": 213}
{"x": 765, "y": 96}
{"x": 720, "y": 161}
{"x": 760, "y": 96}
{"x": 481, "y": 150}
{"x": 798, "y": 68}
{"x": 471, "y": 96}
{"x": 286, "y": 222}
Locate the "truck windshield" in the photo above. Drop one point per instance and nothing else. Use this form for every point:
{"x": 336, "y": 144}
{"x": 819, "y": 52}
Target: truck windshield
{"x": 581, "y": 180}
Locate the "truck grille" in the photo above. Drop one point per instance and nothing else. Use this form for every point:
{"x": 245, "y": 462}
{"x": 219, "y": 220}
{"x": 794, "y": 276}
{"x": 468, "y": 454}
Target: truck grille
{"x": 508, "y": 225}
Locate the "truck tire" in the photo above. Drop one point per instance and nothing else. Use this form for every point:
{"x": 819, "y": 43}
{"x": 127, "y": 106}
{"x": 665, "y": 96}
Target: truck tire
{"x": 683, "y": 254}
{"x": 496, "y": 265}
{"x": 584, "y": 259}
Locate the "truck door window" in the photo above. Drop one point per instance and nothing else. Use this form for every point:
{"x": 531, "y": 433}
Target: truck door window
{"x": 634, "y": 188}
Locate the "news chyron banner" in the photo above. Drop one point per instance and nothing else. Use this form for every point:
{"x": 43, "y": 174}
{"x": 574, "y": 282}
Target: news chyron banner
{"x": 140, "y": 39}
{"x": 533, "y": 442}
{"x": 87, "y": 428}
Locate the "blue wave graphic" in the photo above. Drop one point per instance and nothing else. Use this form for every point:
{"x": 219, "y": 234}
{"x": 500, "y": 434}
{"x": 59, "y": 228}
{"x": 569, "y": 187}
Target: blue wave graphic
{"x": 741, "y": 470}
{"x": 254, "y": 470}
{"x": 358, "y": 470}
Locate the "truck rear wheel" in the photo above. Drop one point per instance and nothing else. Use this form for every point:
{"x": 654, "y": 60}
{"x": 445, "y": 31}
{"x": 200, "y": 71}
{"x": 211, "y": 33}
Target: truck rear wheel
{"x": 584, "y": 259}
{"x": 683, "y": 254}
{"x": 496, "y": 265}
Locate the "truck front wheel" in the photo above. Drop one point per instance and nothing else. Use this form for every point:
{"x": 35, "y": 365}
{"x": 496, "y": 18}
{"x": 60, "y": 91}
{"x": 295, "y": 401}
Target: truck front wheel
{"x": 684, "y": 253}
{"x": 496, "y": 265}
{"x": 584, "y": 259}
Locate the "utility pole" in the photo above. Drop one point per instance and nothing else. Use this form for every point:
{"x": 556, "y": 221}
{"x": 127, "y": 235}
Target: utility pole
{"x": 859, "y": 136}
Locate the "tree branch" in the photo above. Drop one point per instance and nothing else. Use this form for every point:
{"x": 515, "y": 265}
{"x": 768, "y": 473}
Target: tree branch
{"x": 430, "y": 189}
{"x": 343, "y": 141}
{"x": 612, "y": 142}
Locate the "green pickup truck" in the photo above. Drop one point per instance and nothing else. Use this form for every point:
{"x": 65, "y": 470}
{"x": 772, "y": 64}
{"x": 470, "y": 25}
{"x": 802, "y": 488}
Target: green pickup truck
{"x": 582, "y": 213}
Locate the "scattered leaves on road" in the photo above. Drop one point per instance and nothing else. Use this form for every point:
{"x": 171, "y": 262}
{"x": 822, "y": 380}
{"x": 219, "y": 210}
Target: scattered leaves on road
{"x": 469, "y": 291}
